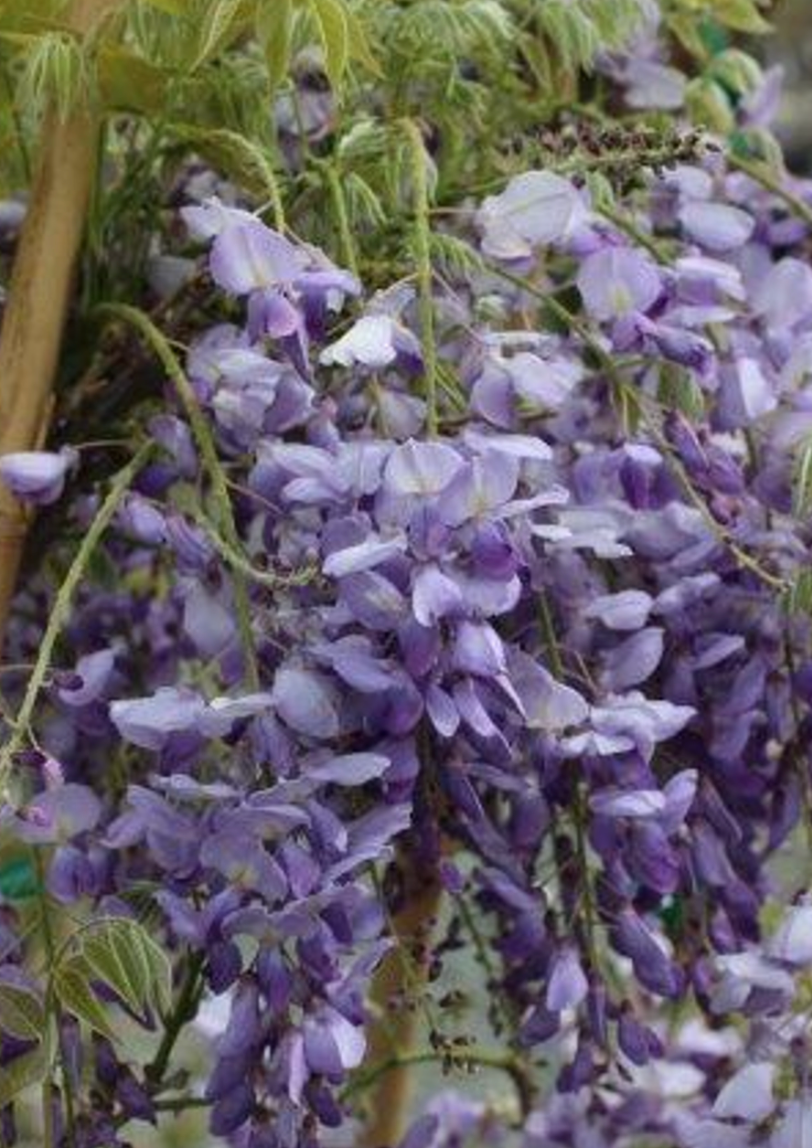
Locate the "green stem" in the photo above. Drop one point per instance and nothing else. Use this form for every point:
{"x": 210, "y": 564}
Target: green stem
{"x": 185, "y": 1008}
{"x": 422, "y": 243}
{"x": 348, "y": 254}
{"x": 550, "y": 640}
{"x": 50, "y": 951}
{"x": 239, "y": 562}
{"x": 208, "y": 450}
{"x": 62, "y": 607}
{"x": 464, "y": 1058}
{"x": 179, "y": 1104}
{"x": 623, "y": 223}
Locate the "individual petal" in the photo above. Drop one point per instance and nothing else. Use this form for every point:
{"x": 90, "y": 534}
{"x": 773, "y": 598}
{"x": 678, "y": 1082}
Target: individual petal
{"x": 478, "y": 650}
{"x": 369, "y": 342}
{"x": 567, "y": 986}
{"x": 679, "y": 793}
{"x": 442, "y": 711}
{"x": 793, "y": 939}
{"x": 748, "y": 1095}
{"x": 148, "y": 722}
{"x": 421, "y": 468}
{"x": 547, "y": 704}
{"x": 59, "y": 814}
{"x": 247, "y": 256}
{"x": 366, "y": 555}
{"x": 783, "y": 297}
{"x": 478, "y": 488}
{"x": 635, "y": 804}
{"x": 89, "y": 680}
{"x": 716, "y": 226}
{"x": 536, "y": 208}
{"x": 37, "y": 476}
{"x": 435, "y": 595}
{"x": 332, "y": 1045}
{"x": 627, "y": 610}
{"x": 634, "y": 660}
{"x": 305, "y": 702}
{"x": 350, "y": 769}
{"x": 208, "y": 219}
{"x": 618, "y": 281}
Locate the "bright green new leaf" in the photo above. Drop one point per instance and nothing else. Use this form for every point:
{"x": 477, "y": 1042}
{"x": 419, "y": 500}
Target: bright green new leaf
{"x": 217, "y": 27}
{"x": 274, "y": 26}
{"x": 740, "y": 15}
{"x": 360, "y": 48}
{"x": 331, "y": 18}
{"x": 71, "y": 984}
{"x": 115, "y": 955}
{"x": 128, "y": 82}
{"x": 171, "y": 7}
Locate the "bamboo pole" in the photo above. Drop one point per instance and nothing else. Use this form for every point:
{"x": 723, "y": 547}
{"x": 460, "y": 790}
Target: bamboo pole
{"x": 39, "y": 294}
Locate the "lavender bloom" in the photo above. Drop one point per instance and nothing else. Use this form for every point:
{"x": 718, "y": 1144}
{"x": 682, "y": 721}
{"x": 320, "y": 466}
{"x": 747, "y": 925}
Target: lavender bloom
{"x": 37, "y": 476}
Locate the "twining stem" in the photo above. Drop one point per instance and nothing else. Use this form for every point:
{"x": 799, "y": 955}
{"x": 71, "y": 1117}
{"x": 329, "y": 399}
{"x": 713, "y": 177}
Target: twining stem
{"x": 226, "y": 525}
{"x": 50, "y": 951}
{"x": 348, "y": 253}
{"x": 425, "y": 278}
{"x": 40, "y": 291}
{"x": 473, "y": 1057}
{"x": 62, "y": 606}
{"x": 237, "y": 560}
{"x": 184, "y": 1010}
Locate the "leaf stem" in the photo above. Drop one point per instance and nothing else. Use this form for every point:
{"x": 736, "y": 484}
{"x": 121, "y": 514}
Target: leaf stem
{"x": 422, "y": 243}
{"x": 185, "y": 1008}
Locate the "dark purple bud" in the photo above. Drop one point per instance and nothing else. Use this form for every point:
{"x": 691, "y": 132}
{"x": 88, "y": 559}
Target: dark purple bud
{"x": 232, "y": 1111}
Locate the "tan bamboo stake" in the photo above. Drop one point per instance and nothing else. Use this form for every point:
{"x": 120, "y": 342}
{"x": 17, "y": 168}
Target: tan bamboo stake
{"x": 393, "y": 1031}
{"x": 39, "y": 294}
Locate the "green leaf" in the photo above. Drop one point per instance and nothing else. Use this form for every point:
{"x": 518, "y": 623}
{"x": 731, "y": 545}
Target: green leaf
{"x": 331, "y": 19}
{"x": 217, "y": 26}
{"x": 741, "y": 16}
{"x": 128, "y": 82}
{"x": 737, "y": 72}
{"x": 22, "y": 1072}
{"x": 21, "y": 1012}
{"x": 171, "y": 7}
{"x": 121, "y": 954}
{"x": 803, "y": 482}
{"x": 360, "y": 48}
{"x": 71, "y": 983}
{"x": 679, "y": 391}
{"x": 234, "y": 155}
{"x": 709, "y": 106}
{"x": 115, "y": 956}
{"x": 274, "y": 28}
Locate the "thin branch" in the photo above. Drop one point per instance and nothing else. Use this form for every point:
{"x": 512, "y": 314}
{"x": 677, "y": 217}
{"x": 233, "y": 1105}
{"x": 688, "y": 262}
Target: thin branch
{"x": 422, "y": 242}
{"x": 211, "y": 460}
{"x": 62, "y": 607}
